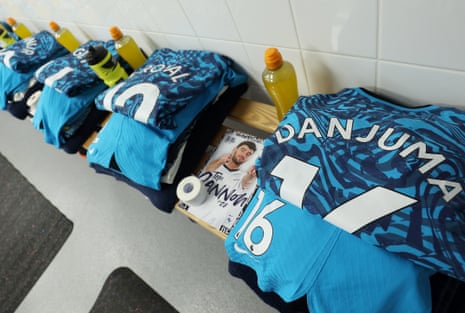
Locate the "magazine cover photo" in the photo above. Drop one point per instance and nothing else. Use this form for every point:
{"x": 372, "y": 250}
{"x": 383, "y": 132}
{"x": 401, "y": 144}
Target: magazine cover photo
{"x": 229, "y": 178}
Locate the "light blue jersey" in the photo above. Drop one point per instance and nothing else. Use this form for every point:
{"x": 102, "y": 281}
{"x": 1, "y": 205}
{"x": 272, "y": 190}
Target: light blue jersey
{"x": 58, "y": 116}
{"x": 295, "y": 253}
{"x": 132, "y": 149}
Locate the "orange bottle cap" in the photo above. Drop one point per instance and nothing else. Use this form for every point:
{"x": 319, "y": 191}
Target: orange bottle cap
{"x": 11, "y": 21}
{"x": 54, "y": 26}
{"x": 115, "y": 33}
{"x": 273, "y": 58}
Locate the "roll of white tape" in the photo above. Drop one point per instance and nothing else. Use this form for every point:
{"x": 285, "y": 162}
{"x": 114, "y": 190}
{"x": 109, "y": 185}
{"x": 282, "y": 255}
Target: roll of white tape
{"x": 191, "y": 190}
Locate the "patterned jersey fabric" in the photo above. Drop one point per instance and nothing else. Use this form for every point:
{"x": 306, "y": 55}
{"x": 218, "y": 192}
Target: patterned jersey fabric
{"x": 169, "y": 81}
{"x": 28, "y": 54}
{"x": 71, "y": 74}
{"x": 392, "y": 175}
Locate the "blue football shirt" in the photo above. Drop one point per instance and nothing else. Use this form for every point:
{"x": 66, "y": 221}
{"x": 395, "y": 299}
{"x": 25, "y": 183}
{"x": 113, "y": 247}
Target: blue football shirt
{"x": 296, "y": 253}
{"x": 389, "y": 174}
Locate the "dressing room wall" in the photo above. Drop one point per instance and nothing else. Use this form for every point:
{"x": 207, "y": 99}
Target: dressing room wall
{"x": 410, "y": 50}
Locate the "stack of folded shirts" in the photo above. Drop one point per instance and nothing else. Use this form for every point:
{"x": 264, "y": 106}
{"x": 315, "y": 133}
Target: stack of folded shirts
{"x": 155, "y": 112}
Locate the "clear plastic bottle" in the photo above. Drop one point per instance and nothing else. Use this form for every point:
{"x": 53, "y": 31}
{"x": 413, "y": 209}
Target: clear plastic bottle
{"x": 105, "y": 65}
{"x": 19, "y": 28}
{"x": 5, "y": 38}
{"x": 127, "y": 48}
{"x": 280, "y": 81}
{"x": 64, "y": 36}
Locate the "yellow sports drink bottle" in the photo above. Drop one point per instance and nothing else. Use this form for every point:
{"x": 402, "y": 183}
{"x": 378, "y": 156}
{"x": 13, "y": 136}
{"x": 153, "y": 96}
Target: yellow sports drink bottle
{"x": 19, "y": 28}
{"x": 280, "y": 81}
{"x": 127, "y": 48}
{"x": 64, "y": 37}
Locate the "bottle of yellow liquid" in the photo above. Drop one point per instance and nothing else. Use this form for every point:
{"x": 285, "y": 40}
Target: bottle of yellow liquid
{"x": 105, "y": 66}
{"x": 127, "y": 48}
{"x": 280, "y": 81}
{"x": 5, "y": 38}
{"x": 64, "y": 36}
{"x": 19, "y": 28}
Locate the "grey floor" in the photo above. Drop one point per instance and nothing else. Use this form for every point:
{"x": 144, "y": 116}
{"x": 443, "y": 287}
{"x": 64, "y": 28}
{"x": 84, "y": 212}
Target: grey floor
{"x": 115, "y": 225}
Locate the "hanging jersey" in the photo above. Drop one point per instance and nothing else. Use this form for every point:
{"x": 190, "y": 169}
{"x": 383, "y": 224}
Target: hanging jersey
{"x": 169, "y": 81}
{"x": 392, "y": 175}
{"x": 295, "y": 253}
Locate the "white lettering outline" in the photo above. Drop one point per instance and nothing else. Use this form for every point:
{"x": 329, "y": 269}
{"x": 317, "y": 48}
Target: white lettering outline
{"x": 350, "y": 216}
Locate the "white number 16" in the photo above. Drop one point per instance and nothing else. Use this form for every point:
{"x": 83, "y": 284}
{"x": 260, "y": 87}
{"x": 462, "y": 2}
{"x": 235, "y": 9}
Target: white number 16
{"x": 296, "y": 177}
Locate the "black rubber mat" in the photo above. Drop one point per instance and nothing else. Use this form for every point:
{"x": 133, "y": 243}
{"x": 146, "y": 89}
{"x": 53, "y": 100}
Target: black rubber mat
{"x": 32, "y": 231}
{"x": 125, "y": 292}
{"x": 448, "y": 294}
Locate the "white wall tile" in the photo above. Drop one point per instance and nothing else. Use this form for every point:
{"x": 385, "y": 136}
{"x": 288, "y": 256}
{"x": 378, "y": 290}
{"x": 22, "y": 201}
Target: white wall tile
{"x": 35, "y": 11}
{"x": 13, "y": 9}
{"x": 211, "y": 19}
{"x": 333, "y": 44}
{"x": 95, "y": 33}
{"x": 267, "y": 22}
{"x": 340, "y": 26}
{"x": 233, "y": 50}
{"x": 182, "y": 42}
{"x": 89, "y": 14}
{"x": 169, "y": 16}
{"x": 146, "y": 21}
{"x": 417, "y": 85}
{"x": 329, "y": 73}
{"x": 427, "y": 32}
{"x": 149, "y": 42}
{"x": 120, "y": 19}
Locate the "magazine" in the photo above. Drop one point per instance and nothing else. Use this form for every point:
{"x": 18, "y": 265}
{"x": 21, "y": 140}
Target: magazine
{"x": 229, "y": 178}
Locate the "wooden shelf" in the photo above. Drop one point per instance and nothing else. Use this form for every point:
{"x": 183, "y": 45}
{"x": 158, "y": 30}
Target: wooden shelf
{"x": 89, "y": 140}
{"x": 255, "y": 114}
